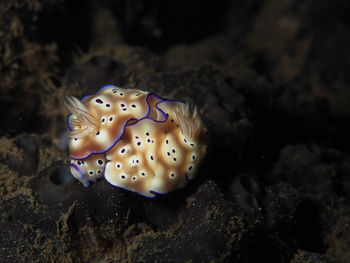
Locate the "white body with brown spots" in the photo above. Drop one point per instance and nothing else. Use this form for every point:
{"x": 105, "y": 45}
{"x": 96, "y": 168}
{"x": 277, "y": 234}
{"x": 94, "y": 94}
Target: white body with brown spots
{"x": 137, "y": 140}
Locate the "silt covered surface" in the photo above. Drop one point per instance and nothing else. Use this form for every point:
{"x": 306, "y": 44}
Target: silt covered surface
{"x": 270, "y": 80}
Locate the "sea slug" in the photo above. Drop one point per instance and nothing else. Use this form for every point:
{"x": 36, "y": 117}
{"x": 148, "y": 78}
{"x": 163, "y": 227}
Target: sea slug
{"x": 137, "y": 140}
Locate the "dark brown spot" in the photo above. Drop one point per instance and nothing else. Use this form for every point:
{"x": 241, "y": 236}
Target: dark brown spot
{"x": 121, "y": 94}
{"x": 166, "y": 141}
{"x": 122, "y": 176}
{"x": 174, "y": 159}
{"x": 134, "y": 178}
{"x": 103, "y": 120}
{"x": 138, "y": 143}
{"x": 192, "y": 144}
{"x": 98, "y": 133}
{"x": 143, "y": 174}
{"x": 108, "y": 105}
{"x": 99, "y": 101}
{"x": 193, "y": 157}
{"x": 168, "y": 153}
{"x": 189, "y": 168}
{"x": 122, "y": 105}
{"x": 148, "y": 140}
{"x": 98, "y": 171}
{"x": 79, "y": 162}
{"x": 124, "y": 109}
{"x": 100, "y": 162}
{"x": 91, "y": 172}
{"x": 118, "y": 165}
{"x": 172, "y": 175}
{"x": 123, "y": 150}
{"x": 147, "y": 133}
{"x": 133, "y": 105}
{"x": 173, "y": 150}
{"x": 151, "y": 157}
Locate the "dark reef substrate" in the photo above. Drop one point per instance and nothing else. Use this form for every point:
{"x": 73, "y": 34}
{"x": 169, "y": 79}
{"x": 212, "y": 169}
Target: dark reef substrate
{"x": 271, "y": 81}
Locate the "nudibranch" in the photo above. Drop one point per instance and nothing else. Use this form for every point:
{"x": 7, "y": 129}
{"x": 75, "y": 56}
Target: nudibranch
{"x": 137, "y": 140}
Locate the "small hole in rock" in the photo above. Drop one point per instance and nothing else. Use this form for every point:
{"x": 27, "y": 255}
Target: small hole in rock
{"x": 61, "y": 175}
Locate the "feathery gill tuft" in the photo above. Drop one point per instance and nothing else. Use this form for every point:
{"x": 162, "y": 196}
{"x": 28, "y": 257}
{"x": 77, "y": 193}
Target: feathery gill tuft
{"x": 83, "y": 121}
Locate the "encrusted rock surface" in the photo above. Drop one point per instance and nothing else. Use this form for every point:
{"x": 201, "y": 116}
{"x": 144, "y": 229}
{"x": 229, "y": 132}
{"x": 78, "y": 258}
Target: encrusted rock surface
{"x": 270, "y": 80}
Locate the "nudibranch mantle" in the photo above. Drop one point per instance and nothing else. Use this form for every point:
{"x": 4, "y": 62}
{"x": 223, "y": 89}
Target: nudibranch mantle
{"x": 135, "y": 139}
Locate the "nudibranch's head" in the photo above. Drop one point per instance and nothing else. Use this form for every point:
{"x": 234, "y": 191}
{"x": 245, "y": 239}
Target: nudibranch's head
{"x": 135, "y": 139}
{"x": 89, "y": 169}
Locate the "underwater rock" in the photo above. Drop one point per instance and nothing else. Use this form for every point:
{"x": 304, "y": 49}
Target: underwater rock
{"x": 210, "y": 228}
{"x": 28, "y": 147}
{"x": 305, "y": 168}
{"x": 83, "y": 78}
{"x": 280, "y": 205}
{"x": 247, "y": 192}
{"x": 309, "y": 257}
{"x": 55, "y": 187}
